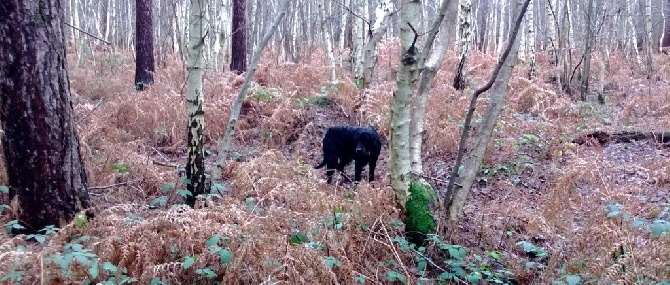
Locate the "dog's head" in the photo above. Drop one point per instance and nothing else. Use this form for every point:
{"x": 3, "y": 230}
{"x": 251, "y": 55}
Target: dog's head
{"x": 366, "y": 142}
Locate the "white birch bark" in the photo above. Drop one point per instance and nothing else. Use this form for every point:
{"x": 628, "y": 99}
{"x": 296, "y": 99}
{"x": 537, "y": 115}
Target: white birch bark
{"x": 195, "y": 164}
{"x": 447, "y": 11}
{"x": 551, "y": 36}
{"x": 224, "y": 144}
{"x": 402, "y": 97}
{"x": 360, "y": 31}
{"x": 633, "y": 32}
{"x": 465, "y": 28}
{"x": 648, "y": 39}
{"x": 530, "y": 40}
{"x": 327, "y": 41}
{"x": 370, "y": 50}
{"x": 463, "y": 177}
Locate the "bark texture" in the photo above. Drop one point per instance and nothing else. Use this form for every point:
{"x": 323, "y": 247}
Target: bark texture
{"x": 40, "y": 141}
{"x": 238, "y": 56}
{"x": 402, "y": 97}
{"x": 144, "y": 44}
{"x": 195, "y": 165}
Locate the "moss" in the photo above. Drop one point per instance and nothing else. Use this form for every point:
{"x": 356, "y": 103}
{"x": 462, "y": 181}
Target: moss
{"x": 419, "y": 220}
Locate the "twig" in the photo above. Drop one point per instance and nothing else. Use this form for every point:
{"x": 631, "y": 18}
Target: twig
{"x": 431, "y": 178}
{"x": 160, "y": 154}
{"x": 87, "y": 33}
{"x": 113, "y": 185}
{"x": 92, "y": 110}
{"x": 165, "y": 164}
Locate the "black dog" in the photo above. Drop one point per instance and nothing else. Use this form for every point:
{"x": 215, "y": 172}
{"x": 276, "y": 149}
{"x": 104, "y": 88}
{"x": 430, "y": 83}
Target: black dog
{"x": 344, "y": 143}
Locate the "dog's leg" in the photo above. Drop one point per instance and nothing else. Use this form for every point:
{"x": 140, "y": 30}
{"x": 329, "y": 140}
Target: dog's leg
{"x": 373, "y": 165}
{"x": 359, "y": 169}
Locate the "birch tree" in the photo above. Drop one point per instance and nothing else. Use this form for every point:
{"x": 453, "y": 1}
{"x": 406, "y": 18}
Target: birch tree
{"x": 465, "y": 40}
{"x": 448, "y": 10}
{"x": 195, "y": 164}
{"x": 462, "y": 179}
{"x": 648, "y": 39}
{"x": 327, "y": 41}
{"x": 370, "y": 51}
{"x": 41, "y": 147}
{"x": 144, "y": 44}
{"x": 586, "y": 67}
{"x": 530, "y": 41}
{"x": 224, "y": 144}
{"x": 402, "y": 96}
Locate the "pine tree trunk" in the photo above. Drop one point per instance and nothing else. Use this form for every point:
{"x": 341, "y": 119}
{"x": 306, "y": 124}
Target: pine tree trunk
{"x": 238, "y": 58}
{"x": 665, "y": 41}
{"x": 195, "y": 164}
{"x": 40, "y": 141}
{"x": 402, "y": 97}
{"x": 144, "y": 44}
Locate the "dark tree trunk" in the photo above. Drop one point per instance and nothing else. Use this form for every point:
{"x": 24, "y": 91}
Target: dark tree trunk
{"x": 238, "y": 60}
{"x": 144, "y": 44}
{"x": 40, "y": 141}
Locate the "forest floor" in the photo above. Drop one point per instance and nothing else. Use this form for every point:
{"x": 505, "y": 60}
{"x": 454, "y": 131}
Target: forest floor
{"x": 544, "y": 208}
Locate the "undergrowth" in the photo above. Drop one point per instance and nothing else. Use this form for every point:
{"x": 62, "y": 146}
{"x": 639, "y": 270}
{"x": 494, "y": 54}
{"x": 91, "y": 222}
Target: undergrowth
{"x": 546, "y": 210}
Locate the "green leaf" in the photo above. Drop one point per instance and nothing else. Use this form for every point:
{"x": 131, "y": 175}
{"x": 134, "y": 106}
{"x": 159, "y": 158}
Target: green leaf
{"x": 184, "y": 193}
{"x": 109, "y": 267}
{"x": 93, "y": 270}
{"x": 360, "y": 279}
{"x": 40, "y": 238}
{"x": 331, "y": 261}
{"x": 393, "y": 276}
{"x": 298, "y": 238}
{"x": 225, "y": 255}
{"x": 217, "y": 188}
{"x": 396, "y": 224}
{"x": 638, "y": 223}
{"x": 212, "y": 241}
{"x": 188, "y": 262}
{"x": 573, "y": 279}
{"x": 159, "y": 202}
{"x": 167, "y": 187}
{"x": 4, "y": 189}
{"x": 659, "y": 228}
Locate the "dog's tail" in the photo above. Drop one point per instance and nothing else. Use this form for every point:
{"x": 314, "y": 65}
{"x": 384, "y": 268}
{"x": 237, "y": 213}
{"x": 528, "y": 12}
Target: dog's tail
{"x": 320, "y": 165}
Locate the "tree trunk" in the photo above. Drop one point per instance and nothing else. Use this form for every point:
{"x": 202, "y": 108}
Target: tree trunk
{"x": 238, "y": 58}
{"x": 633, "y": 37}
{"x": 461, "y": 180}
{"x": 552, "y": 21}
{"x": 195, "y": 164}
{"x": 402, "y": 97}
{"x": 530, "y": 41}
{"x": 649, "y": 39}
{"x": 465, "y": 36}
{"x": 327, "y": 41}
{"x": 224, "y": 144}
{"x": 40, "y": 141}
{"x": 144, "y": 44}
{"x": 432, "y": 65}
{"x": 665, "y": 41}
{"x": 370, "y": 50}
{"x": 586, "y": 68}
